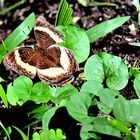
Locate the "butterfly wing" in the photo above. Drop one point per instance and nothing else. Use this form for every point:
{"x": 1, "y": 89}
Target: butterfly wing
{"x": 56, "y": 68}
{"x": 45, "y": 33}
{"x": 22, "y": 60}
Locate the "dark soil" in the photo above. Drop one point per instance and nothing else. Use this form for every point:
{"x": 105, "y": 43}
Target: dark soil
{"x": 116, "y": 42}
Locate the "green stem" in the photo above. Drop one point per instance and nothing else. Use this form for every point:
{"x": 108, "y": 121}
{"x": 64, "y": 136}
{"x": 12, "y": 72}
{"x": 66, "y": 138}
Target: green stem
{"x": 12, "y": 7}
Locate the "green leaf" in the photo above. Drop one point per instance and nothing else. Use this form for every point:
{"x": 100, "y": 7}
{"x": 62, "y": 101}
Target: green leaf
{"x": 137, "y": 129}
{"x": 40, "y": 92}
{"x": 136, "y": 85}
{"x": 12, "y": 7}
{"x": 99, "y": 125}
{"x": 136, "y": 3}
{"x": 119, "y": 126}
{"x": 64, "y": 14}
{"x": 38, "y": 113}
{"x": 54, "y": 135}
{"x": 59, "y": 134}
{"x": 95, "y": 3}
{"x": 108, "y": 98}
{"x": 60, "y": 93}
{"x": 92, "y": 87}
{"x": 137, "y": 44}
{"x": 126, "y": 111}
{"x": 107, "y": 66}
{"x": 1, "y": 79}
{"x": 78, "y": 106}
{"x": 5, "y": 130}
{"x": 134, "y": 72}
{"x": 76, "y": 40}
{"x": 18, "y": 35}
{"x": 3, "y": 96}
{"x": 21, "y": 133}
{"x": 36, "y": 136}
{"x": 47, "y": 117}
{"x": 83, "y": 2}
{"x": 88, "y": 3}
{"x": 11, "y": 95}
{"x": 22, "y": 87}
{"x": 100, "y": 30}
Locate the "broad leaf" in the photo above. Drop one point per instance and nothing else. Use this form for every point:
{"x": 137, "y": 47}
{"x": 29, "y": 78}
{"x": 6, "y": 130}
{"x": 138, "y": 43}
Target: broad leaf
{"x": 126, "y": 111}
{"x": 78, "y": 106}
{"x": 40, "y": 92}
{"x": 22, "y": 87}
{"x": 108, "y": 98}
{"x": 92, "y": 87}
{"x": 99, "y": 125}
{"x": 61, "y": 93}
{"x": 76, "y": 40}
{"x": 107, "y": 66}
{"x": 11, "y": 95}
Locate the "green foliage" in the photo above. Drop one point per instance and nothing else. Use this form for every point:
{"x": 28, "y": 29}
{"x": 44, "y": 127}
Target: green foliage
{"x": 99, "y": 125}
{"x": 64, "y": 14}
{"x": 136, "y": 3}
{"x": 95, "y": 3}
{"x": 126, "y": 111}
{"x": 12, "y": 7}
{"x": 47, "y": 117}
{"x": 136, "y": 73}
{"x": 100, "y": 30}
{"x": 103, "y": 65}
{"x": 60, "y": 93}
{"x": 76, "y": 40}
{"x": 18, "y": 35}
{"x": 50, "y": 135}
{"x": 92, "y": 87}
{"x": 78, "y": 106}
{"x": 3, "y": 96}
{"x": 137, "y": 44}
{"x": 6, "y": 130}
{"x": 24, "y": 90}
{"x": 107, "y": 98}
{"x": 24, "y": 137}
{"x": 137, "y": 85}
{"x": 40, "y": 92}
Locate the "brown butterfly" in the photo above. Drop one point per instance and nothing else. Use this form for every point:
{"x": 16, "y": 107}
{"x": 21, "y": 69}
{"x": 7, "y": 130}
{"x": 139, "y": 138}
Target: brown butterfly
{"x": 53, "y": 64}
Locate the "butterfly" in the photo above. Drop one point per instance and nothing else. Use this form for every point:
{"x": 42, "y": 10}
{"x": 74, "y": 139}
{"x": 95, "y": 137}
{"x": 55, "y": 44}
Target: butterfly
{"x": 53, "y": 64}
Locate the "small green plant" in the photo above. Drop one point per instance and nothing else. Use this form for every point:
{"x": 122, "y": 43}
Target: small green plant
{"x": 137, "y": 5}
{"x": 105, "y": 75}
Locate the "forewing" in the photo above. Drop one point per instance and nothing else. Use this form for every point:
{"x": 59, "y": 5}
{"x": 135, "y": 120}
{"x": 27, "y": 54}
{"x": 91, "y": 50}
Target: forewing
{"x": 22, "y": 60}
{"x": 45, "y": 33}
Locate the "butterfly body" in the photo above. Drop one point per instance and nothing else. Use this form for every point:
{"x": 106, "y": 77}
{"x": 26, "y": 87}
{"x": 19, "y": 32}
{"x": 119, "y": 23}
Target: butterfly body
{"x": 53, "y": 64}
